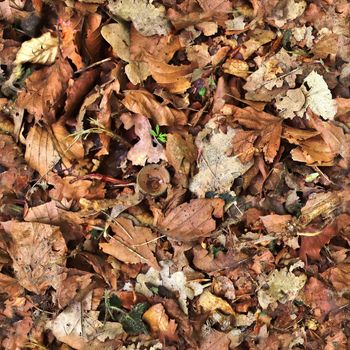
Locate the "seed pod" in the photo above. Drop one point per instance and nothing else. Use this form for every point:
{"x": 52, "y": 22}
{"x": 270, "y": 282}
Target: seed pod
{"x": 153, "y": 180}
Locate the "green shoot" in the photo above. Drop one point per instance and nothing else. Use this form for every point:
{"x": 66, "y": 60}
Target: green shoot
{"x": 159, "y": 136}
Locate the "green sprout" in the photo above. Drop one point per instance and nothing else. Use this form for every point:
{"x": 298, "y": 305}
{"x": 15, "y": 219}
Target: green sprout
{"x": 201, "y": 91}
{"x": 159, "y": 136}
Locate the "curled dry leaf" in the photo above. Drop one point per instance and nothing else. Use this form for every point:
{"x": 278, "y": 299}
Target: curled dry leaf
{"x": 193, "y": 220}
{"x": 131, "y": 244}
{"x": 209, "y": 302}
{"x": 159, "y": 323}
{"x": 216, "y": 170}
{"x": 41, "y": 50}
{"x": 44, "y": 91}
{"x": 147, "y": 18}
{"x": 143, "y": 151}
{"x": 339, "y": 276}
{"x": 143, "y": 102}
{"x": 38, "y": 252}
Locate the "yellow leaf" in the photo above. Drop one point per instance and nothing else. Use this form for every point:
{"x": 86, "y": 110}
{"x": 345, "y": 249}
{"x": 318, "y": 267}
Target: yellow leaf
{"x": 41, "y": 50}
{"x": 210, "y": 302}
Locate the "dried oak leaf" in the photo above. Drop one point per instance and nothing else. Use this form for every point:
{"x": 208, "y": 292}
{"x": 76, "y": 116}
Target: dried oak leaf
{"x": 45, "y": 89}
{"x": 193, "y": 220}
{"x": 159, "y": 322}
{"x": 143, "y": 102}
{"x": 143, "y": 151}
{"x": 38, "y": 254}
{"x": 311, "y": 246}
{"x": 216, "y": 169}
{"x": 149, "y": 19}
{"x": 131, "y": 244}
{"x": 41, "y": 50}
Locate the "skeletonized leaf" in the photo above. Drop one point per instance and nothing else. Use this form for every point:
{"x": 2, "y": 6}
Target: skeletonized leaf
{"x": 147, "y": 18}
{"x": 41, "y": 50}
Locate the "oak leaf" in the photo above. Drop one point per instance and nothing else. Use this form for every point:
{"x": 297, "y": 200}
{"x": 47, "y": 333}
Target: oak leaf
{"x": 193, "y": 220}
{"x": 143, "y": 102}
{"x": 45, "y": 89}
{"x": 131, "y": 244}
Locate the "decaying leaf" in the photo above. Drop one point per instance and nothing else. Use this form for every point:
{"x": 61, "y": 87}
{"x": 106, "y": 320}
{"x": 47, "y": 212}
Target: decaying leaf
{"x": 314, "y": 93}
{"x": 79, "y": 327}
{"x": 38, "y": 252}
{"x": 236, "y": 67}
{"x": 159, "y": 322}
{"x": 217, "y": 170}
{"x": 147, "y": 18}
{"x": 174, "y": 281}
{"x": 41, "y": 50}
{"x": 283, "y": 285}
{"x": 131, "y": 244}
{"x": 190, "y": 221}
{"x": 143, "y": 151}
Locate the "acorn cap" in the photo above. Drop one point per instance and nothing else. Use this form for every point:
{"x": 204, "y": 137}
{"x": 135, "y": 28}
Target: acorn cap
{"x": 153, "y": 179}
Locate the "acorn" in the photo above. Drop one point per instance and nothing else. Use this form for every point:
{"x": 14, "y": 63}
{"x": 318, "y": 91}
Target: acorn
{"x": 153, "y": 180}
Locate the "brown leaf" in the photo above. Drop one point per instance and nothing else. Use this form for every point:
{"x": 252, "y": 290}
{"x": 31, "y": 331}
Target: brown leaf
{"x": 10, "y": 286}
{"x": 243, "y": 144}
{"x": 12, "y": 10}
{"x": 159, "y": 323}
{"x": 181, "y": 152}
{"x": 143, "y": 102}
{"x": 38, "y": 253}
{"x": 45, "y": 89}
{"x": 92, "y": 37}
{"x": 131, "y": 244}
{"x": 144, "y": 151}
{"x": 214, "y": 340}
{"x": 270, "y": 128}
{"x": 175, "y": 79}
{"x": 311, "y": 246}
{"x": 192, "y": 220}
{"x": 276, "y": 223}
{"x": 339, "y": 276}
{"x": 326, "y": 45}
{"x": 41, "y": 154}
{"x": 11, "y": 156}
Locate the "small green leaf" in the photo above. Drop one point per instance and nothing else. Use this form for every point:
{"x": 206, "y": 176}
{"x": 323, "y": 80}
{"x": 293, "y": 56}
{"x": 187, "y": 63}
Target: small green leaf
{"x": 157, "y": 129}
{"x": 132, "y": 321}
{"x": 201, "y": 91}
{"x": 311, "y": 177}
{"x": 153, "y": 133}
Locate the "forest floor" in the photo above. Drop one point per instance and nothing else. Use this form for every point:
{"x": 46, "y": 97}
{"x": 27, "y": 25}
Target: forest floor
{"x": 174, "y": 174}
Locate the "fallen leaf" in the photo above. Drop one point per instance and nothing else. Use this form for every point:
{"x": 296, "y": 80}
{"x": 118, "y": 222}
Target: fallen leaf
{"x": 41, "y": 153}
{"x": 181, "y": 152}
{"x": 175, "y": 281}
{"x": 41, "y": 50}
{"x": 339, "y": 276}
{"x": 118, "y": 36}
{"x": 291, "y": 103}
{"x": 276, "y": 223}
{"x": 283, "y": 285}
{"x": 176, "y": 79}
{"x": 147, "y": 18}
{"x": 131, "y": 244}
{"x": 310, "y": 247}
{"x": 38, "y": 252}
{"x": 144, "y": 151}
{"x": 216, "y": 170}
{"x": 193, "y": 220}
{"x": 159, "y": 323}
{"x": 11, "y": 10}
{"x": 209, "y": 302}
{"x": 143, "y": 102}
{"x": 44, "y": 91}
{"x": 77, "y": 325}
{"x": 236, "y": 67}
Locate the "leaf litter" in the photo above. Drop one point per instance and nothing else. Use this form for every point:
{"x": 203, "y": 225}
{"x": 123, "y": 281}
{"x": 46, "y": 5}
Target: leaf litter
{"x": 174, "y": 174}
